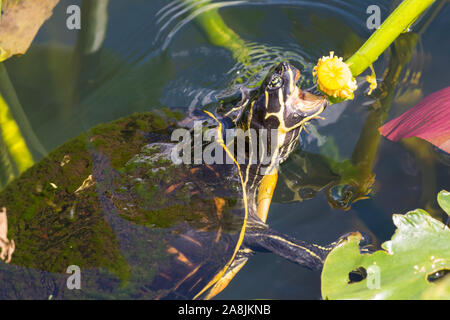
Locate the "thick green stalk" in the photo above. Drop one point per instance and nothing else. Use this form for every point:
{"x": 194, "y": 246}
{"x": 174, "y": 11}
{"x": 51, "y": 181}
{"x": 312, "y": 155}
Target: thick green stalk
{"x": 94, "y": 14}
{"x": 217, "y": 31}
{"x": 8, "y": 92}
{"x": 94, "y": 17}
{"x": 12, "y": 137}
{"x": 17, "y": 139}
{"x": 399, "y": 21}
{"x": 367, "y": 145}
{"x": 220, "y": 34}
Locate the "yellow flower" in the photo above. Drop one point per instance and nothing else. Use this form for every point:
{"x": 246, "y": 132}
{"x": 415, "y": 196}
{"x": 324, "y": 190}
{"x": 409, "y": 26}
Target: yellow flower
{"x": 334, "y": 77}
{"x": 372, "y": 80}
{"x": 373, "y": 83}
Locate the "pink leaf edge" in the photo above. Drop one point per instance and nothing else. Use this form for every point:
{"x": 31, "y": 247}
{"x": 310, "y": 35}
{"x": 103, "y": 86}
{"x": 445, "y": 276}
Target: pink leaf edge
{"x": 428, "y": 120}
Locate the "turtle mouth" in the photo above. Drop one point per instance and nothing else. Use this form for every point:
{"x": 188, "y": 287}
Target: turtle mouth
{"x": 305, "y": 102}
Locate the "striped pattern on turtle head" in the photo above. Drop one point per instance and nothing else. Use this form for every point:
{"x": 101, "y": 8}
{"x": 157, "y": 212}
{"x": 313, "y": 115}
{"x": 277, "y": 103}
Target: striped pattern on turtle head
{"x": 282, "y": 104}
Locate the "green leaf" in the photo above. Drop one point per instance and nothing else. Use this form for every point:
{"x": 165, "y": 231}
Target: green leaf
{"x": 444, "y": 201}
{"x": 403, "y": 270}
{"x": 441, "y": 291}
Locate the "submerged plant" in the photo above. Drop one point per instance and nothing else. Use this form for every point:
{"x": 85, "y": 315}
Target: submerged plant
{"x": 428, "y": 120}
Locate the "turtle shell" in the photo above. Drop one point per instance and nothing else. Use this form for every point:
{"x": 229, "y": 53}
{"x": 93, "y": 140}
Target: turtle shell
{"x": 112, "y": 203}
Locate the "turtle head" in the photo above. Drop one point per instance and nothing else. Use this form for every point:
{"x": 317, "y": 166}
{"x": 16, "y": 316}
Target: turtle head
{"x": 278, "y": 106}
{"x": 282, "y": 108}
{"x": 281, "y": 104}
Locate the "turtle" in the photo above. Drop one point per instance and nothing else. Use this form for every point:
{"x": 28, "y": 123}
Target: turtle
{"x": 116, "y": 207}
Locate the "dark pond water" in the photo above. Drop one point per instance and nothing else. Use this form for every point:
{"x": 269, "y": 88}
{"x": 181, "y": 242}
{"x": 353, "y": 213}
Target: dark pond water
{"x": 154, "y": 54}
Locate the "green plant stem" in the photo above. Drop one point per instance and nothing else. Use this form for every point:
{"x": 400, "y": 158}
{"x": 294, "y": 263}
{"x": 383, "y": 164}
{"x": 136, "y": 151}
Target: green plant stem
{"x": 367, "y": 145}
{"x": 94, "y": 14}
{"x": 216, "y": 30}
{"x": 8, "y": 92}
{"x": 94, "y": 17}
{"x": 12, "y": 138}
{"x": 399, "y": 21}
{"x": 17, "y": 138}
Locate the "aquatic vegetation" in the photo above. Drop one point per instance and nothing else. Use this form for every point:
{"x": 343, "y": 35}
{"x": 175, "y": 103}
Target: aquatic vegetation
{"x": 410, "y": 266}
{"x": 12, "y": 137}
{"x": 334, "y": 77}
{"x": 18, "y": 141}
{"x": 444, "y": 201}
{"x": 356, "y": 177}
{"x": 397, "y": 23}
{"x": 428, "y": 120}
{"x": 372, "y": 80}
{"x": 336, "y": 82}
{"x": 19, "y": 24}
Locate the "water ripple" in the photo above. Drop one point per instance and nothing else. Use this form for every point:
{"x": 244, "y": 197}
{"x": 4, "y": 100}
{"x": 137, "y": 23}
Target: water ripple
{"x": 261, "y": 55}
{"x": 177, "y": 14}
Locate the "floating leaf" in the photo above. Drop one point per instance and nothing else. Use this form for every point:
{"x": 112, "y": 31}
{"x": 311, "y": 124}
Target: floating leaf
{"x": 20, "y": 22}
{"x": 444, "y": 201}
{"x": 441, "y": 291}
{"x": 408, "y": 267}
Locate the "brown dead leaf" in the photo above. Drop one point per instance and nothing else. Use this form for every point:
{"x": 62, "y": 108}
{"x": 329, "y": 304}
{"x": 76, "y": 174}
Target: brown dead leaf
{"x": 20, "y": 22}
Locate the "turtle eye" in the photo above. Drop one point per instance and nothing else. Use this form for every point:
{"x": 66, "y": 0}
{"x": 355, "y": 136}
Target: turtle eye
{"x": 275, "y": 83}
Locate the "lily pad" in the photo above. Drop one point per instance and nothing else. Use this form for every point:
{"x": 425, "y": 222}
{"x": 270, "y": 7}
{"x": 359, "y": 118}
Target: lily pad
{"x": 440, "y": 291}
{"x": 444, "y": 201}
{"x": 20, "y": 22}
{"x": 409, "y": 267}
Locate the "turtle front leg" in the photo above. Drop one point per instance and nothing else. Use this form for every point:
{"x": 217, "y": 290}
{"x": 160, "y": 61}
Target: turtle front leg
{"x": 309, "y": 255}
{"x": 265, "y": 194}
{"x": 7, "y": 247}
